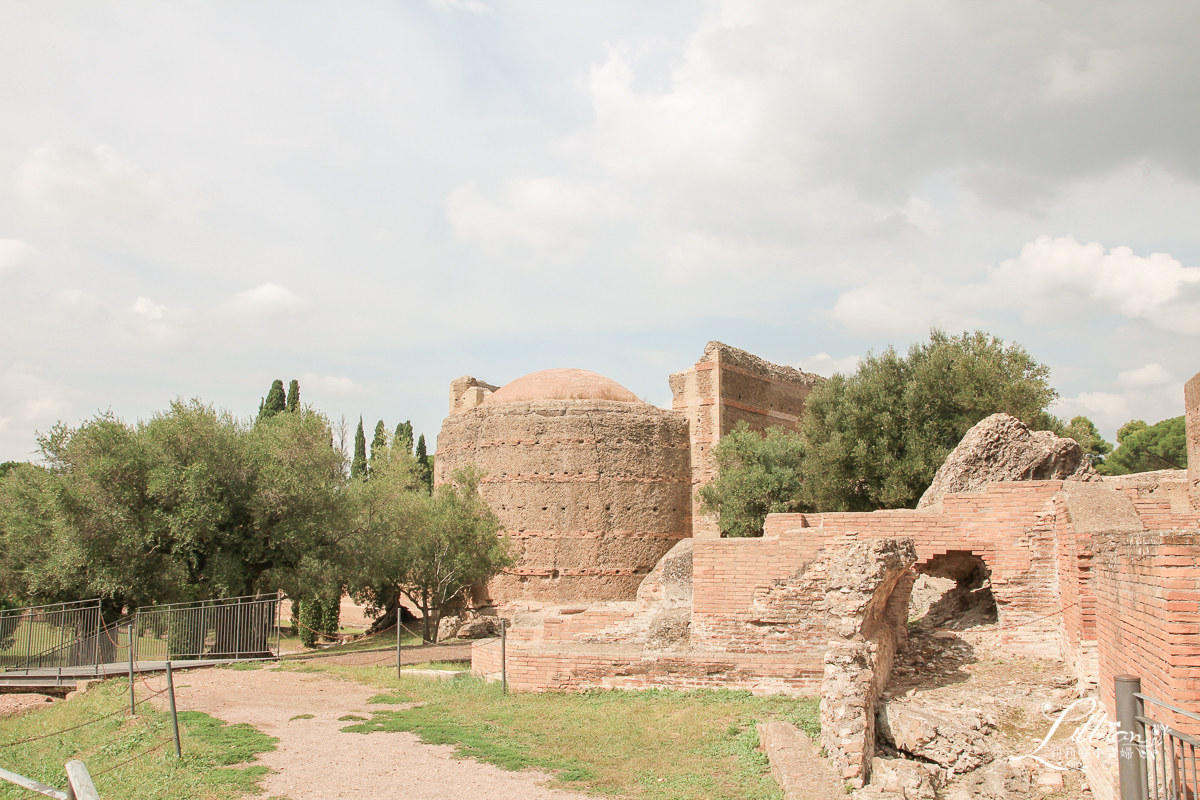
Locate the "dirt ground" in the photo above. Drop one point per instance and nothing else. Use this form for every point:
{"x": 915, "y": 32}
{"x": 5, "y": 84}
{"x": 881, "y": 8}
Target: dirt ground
{"x": 315, "y": 760}
{"x": 954, "y": 667}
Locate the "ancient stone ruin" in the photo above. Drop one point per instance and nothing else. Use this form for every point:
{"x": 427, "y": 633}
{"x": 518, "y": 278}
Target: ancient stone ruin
{"x": 593, "y": 484}
{"x": 1102, "y": 574}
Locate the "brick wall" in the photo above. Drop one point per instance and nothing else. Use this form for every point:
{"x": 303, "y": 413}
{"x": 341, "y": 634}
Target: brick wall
{"x": 1011, "y": 526}
{"x": 728, "y": 385}
{"x": 1148, "y": 594}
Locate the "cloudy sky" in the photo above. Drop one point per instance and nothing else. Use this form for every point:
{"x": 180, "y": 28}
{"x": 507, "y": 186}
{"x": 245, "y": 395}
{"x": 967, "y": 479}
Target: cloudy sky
{"x": 375, "y": 197}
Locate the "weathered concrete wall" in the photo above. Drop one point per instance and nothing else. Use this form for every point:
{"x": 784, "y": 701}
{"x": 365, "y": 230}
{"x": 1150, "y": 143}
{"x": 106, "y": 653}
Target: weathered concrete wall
{"x": 1191, "y": 404}
{"x": 725, "y": 386}
{"x": 593, "y": 492}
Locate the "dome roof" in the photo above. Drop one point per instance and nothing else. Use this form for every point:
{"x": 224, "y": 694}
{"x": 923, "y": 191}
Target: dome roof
{"x": 561, "y": 384}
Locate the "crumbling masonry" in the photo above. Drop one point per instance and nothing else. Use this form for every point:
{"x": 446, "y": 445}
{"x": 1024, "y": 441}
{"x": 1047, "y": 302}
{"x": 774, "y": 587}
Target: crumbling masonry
{"x": 1101, "y": 573}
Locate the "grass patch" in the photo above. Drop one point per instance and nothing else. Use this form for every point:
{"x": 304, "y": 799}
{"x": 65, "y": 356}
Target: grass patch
{"x": 447, "y": 666}
{"x": 301, "y": 716}
{"x": 352, "y": 718}
{"x": 244, "y": 666}
{"x": 210, "y": 748}
{"x": 377, "y": 641}
{"x": 655, "y": 744}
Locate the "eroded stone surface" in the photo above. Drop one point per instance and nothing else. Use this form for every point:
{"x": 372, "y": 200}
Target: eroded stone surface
{"x": 958, "y": 745}
{"x": 592, "y": 492}
{"x": 866, "y": 603}
{"x": 1002, "y": 448}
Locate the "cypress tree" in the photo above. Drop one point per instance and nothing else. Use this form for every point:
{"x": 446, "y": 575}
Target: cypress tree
{"x": 379, "y": 443}
{"x": 293, "y": 396}
{"x": 423, "y": 460}
{"x": 404, "y": 436}
{"x": 276, "y": 401}
{"x": 358, "y": 467}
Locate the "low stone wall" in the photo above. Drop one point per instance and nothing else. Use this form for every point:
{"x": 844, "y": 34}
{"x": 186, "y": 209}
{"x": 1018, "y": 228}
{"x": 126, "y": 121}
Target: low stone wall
{"x": 546, "y": 667}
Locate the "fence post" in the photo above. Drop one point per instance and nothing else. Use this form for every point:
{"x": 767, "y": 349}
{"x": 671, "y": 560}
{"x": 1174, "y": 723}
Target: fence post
{"x": 399, "y": 633}
{"x": 174, "y": 714}
{"x": 79, "y": 783}
{"x": 503, "y": 655}
{"x": 1130, "y": 758}
{"x": 132, "y": 710}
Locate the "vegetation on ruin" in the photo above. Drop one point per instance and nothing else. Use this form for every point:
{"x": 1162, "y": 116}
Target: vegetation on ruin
{"x": 875, "y": 439}
{"x": 1143, "y": 448}
{"x": 210, "y": 747}
{"x": 757, "y": 475}
{"x": 648, "y": 744}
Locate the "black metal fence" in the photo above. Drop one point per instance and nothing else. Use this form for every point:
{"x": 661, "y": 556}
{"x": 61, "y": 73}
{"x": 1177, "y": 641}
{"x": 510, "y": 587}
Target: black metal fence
{"x": 45, "y": 637}
{"x": 1156, "y": 761}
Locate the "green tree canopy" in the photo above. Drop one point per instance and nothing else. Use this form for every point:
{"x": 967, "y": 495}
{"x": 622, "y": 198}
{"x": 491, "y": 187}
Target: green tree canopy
{"x": 875, "y": 439}
{"x": 191, "y": 504}
{"x": 424, "y": 461}
{"x": 1082, "y": 430}
{"x": 756, "y": 475}
{"x": 275, "y": 402}
{"x": 379, "y": 443}
{"x": 404, "y": 437}
{"x": 293, "y": 396}
{"x": 358, "y": 466}
{"x": 430, "y": 547}
{"x": 1143, "y": 448}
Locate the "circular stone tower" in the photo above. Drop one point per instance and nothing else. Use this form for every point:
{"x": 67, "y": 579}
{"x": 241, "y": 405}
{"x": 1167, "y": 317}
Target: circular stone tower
{"x": 592, "y": 484}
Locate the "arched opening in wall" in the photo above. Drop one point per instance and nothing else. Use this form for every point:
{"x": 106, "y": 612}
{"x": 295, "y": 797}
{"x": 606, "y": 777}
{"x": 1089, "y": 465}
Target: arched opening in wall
{"x": 953, "y": 591}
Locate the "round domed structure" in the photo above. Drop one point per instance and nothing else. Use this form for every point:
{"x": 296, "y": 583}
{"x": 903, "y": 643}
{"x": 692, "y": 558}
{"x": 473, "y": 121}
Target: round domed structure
{"x": 592, "y": 484}
{"x": 561, "y": 384}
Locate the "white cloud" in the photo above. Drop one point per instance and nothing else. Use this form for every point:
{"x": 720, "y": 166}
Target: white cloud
{"x": 1051, "y": 281}
{"x": 148, "y": 308}
{"x": 328, "y": 384}
{"x": 15, "y": 254}
{"x": 826, "y": 365}
{"x": 1054, "y": 277}
{"x": 906, "y": 302}
{"x": 1111, "y": 410}
{"x": 59, "y": 183}
{"x": 28, "y": 403}
{"x": 1144, "y": 377}
{"x": 538, "y": 212}
{"x": 474, "y": 6}
{"x": 270, "y": 299}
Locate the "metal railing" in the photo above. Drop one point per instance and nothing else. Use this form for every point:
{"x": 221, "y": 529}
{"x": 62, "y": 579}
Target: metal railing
{"x": 234, "y": 628}
{"x": 1156, "y": 761}
{"x": 74, "y": 635}
{"x": 58, "y": 635}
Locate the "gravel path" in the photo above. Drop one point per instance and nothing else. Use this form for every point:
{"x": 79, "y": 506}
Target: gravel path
{"x": 315, "y": 760}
